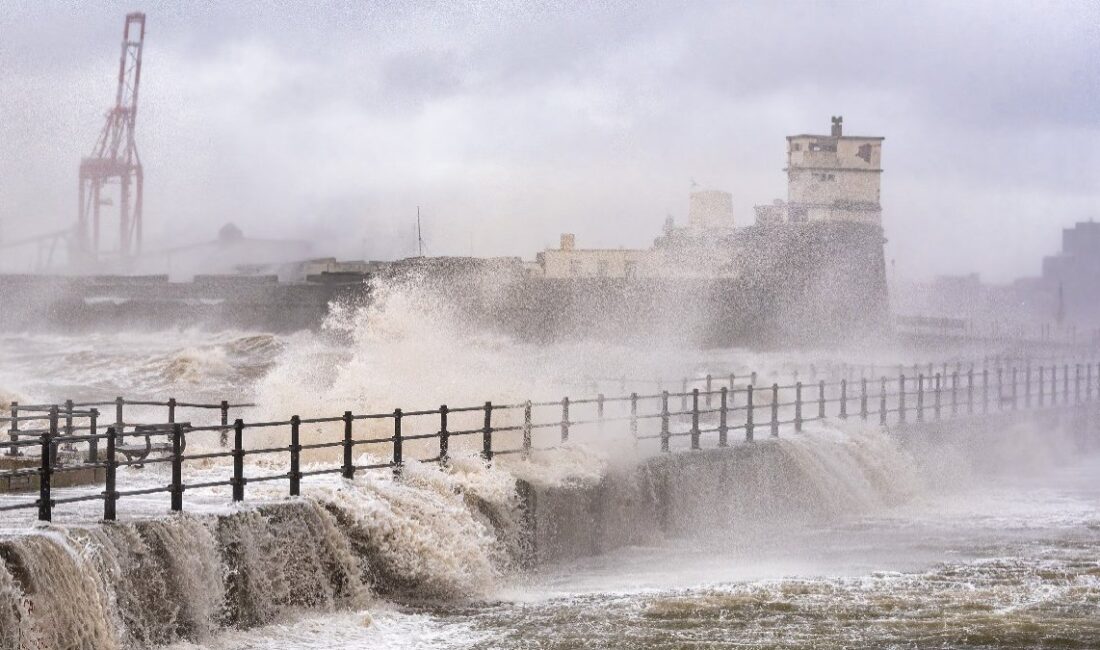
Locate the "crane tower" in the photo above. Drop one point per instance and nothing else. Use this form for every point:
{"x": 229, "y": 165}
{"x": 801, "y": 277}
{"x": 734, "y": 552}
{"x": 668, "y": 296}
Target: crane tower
{"x": 115, "y": 160}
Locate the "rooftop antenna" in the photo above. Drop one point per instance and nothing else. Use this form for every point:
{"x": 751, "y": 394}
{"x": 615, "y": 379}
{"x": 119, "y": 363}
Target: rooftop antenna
{"x": 419, "y": 238}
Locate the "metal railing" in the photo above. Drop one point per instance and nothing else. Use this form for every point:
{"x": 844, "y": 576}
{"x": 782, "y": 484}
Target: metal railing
{"x": 667, "y": 421}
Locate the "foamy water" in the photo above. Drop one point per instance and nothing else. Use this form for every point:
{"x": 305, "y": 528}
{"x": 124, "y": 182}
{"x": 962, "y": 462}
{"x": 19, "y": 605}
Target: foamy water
{"x": 839, "y": 537}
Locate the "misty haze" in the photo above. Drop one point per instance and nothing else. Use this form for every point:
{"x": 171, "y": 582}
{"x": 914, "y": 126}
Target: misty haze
{"x": 549, "y": 325}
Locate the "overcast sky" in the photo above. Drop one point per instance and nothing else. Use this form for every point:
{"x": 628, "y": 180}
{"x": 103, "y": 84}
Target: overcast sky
{"x": 509, "y": 124}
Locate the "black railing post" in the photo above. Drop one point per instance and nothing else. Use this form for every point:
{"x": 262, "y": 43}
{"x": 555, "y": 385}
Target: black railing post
{"x": 1027, "y": 386}
{"x": 53, "y": 435}
{"x": 599, "y": 411}
{"x": 1077, "y": 384}
{"x": 69, "y": 422}
{"x": 110, "y": 494}
{"x": 821, "y": 399}
{"x": 444, "y": 435}
{"x": 565, "y": 419}
{"x": 45, "y": 472}
{"x": 752, "y": 378}
{"x": 487, "y": 431}
{"x": 295, "y": 456}
{"x": 748, "y": 414}
{"x": 93, "y": 440}
{"x": 723, "y": 403}
{"x": 843, "y": 398}
{"x": 238, "y": 480}
{"x": 920, "y": 397}
{"x": 936, "y": 412}
{"x": 901, "y": 399}
{"x": 970, "y": 390}
{"x": 527, "y": 430}
{"x": 634, "y": 418}
{"x": 707, "y": 400}
{"x": 1065, "y": 384}
{"x": 224, "y": 433}
{"x": 177, "y": 468}
{"x": 882, "y": 401}
{"x": 695, "y": 418}
{"x": 1088, "y": 382}
{"x": 13, "y": 430}
{"x": 797, "y": 408}
{"x": 1042, "y": 386}
{"x": 665, "y": 434}
{"x": 171, "y": 410}
{"x": 120, "y": 425}
{"x": 775, "y": 410}
{"x": 985, "y": 390}
{"x": 347, "y": 470}
{"x": 863, "y": 398}
{"x": 398, "y": 443}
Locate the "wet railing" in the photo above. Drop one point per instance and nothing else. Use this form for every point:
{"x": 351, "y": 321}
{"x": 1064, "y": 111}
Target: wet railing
{"x": 70, "y": 438}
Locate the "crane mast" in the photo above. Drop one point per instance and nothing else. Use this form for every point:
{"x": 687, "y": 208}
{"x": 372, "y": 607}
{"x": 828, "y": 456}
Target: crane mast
{"x": 115, "y": 160}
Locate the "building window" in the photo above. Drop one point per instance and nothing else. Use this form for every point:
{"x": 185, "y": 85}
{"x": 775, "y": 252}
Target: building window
{"x": 796, "y": 147}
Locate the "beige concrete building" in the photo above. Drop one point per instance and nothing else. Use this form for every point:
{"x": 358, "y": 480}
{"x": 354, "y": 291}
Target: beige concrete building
{"x": 834, "y": 177}
{"x": 710, "y": 210}
{"x": 570, "y": 262}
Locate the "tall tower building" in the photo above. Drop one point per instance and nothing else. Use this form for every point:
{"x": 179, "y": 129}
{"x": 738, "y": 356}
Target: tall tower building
{"x": 834, "y": 177}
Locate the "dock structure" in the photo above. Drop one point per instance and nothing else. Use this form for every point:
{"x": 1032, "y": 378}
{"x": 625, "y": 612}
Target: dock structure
{"x": 54, "y": 445}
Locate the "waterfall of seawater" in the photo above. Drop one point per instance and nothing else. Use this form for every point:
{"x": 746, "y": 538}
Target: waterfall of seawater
{"x": 439, "y": 534}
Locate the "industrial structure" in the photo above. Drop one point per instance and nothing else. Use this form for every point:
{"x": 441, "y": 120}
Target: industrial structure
{"x": 115, "y": 161}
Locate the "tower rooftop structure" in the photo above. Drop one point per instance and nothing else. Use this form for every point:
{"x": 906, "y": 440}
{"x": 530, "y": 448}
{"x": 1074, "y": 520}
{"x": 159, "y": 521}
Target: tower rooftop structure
{"x": 834, "y": 177}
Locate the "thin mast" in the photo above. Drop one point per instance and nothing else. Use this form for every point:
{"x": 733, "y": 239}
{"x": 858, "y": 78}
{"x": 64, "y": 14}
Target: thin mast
{"x": 419, "y": 238}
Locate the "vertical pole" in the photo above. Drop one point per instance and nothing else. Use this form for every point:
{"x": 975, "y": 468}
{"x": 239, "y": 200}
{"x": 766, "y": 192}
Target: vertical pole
{"x": 775, "y": 410}
{"x": 171, "y": 410}
{"x": 1042, "y": 386}
{"x": 664, "y": 422}
{"x": 527, "y": 430}
{"x": 901, "y": 399}
{"x": 13, "y": 431}
{"x": 565, "y": 419}
{"x": 708, "y": 390}
{"x": 936, "y": 396}
{"x": 444, "y": 435}
{"x": 821, "y": 399}
{"x": 93, "y": 440}
{"x": 723, "y": 403}
{"x": 487, "y": 431}
{"x": 295, "y": 456}
{"x": 748, "y": 414}
{"x": 1065, "y": 384}
{"x": 68, "y": 422}
{"x": 684, "y": 395}
{"x": 599, "y": 411}
{"x": 843, "y": 398}
{"x": 634, "y": 418}
{"x": 1027, "y": 386}
{"x": 45, "y": 471}
{"x": 985, "y": 390}
{"x": 1014, "y": 384}
{"x": 110, "y": 494}
{"x": 177, "y": 468}
{"x": 882, "y": 401}
{"x": 53, "y": 436}
{"x": 695, "y": 418}
{"x": 920, "y": 397}
{"x": 347, "y": 470}
{"x": 120, "y": 427}
{"x": 797, "y": 408}
{"x": 225, "y": 423}
{"x": 752, "y": 378}
{"x": 238, "y": 480}
{"x": 863, "y": 398}
{"x": 398, "y": 442}
{"x": 1077, "y": 384}
{"x": 955, "y": 392}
